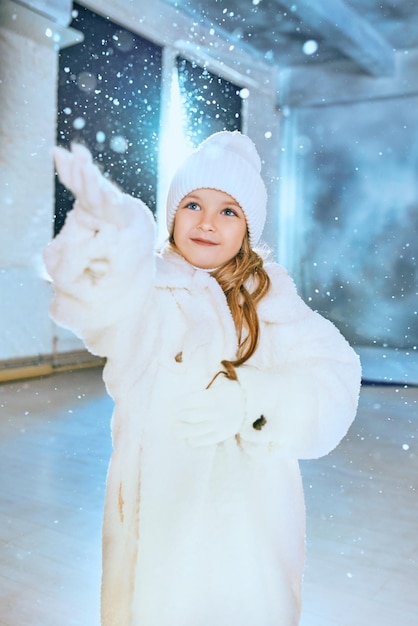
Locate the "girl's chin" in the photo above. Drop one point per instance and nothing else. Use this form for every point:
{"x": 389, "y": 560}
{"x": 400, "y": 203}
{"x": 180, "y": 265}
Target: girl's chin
{"x": 204, "y": 262}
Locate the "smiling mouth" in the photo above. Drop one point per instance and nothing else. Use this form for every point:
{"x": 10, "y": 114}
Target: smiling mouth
{"x": 204, "y": 242}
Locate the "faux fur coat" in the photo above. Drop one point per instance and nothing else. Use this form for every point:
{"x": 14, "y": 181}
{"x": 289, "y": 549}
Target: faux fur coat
{"x": 209, "y": 535}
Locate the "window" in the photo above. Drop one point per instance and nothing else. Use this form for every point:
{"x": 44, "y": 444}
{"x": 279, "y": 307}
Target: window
{"x": 109, "y": 100}
{"x": 210, "y": 103}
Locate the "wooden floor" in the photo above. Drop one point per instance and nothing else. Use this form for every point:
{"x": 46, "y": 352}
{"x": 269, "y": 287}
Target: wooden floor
{"x": 362, "y": 506}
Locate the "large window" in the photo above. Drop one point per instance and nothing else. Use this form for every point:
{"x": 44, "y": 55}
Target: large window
{"x": 109, "y": 99}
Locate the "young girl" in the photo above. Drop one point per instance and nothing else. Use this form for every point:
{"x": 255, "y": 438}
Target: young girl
{"x": 222, "y": 379}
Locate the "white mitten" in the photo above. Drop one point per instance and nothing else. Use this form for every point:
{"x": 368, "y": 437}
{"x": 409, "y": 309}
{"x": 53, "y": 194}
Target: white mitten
{"x": 212, "y": 415}
{"x": 96, "y": 197}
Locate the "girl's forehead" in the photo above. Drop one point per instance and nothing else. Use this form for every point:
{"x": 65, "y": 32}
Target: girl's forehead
{"x": 208, "y": 193}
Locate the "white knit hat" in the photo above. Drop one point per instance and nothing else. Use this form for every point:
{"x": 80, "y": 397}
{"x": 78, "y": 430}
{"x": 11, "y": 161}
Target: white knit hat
{"x": 229, "y": 162}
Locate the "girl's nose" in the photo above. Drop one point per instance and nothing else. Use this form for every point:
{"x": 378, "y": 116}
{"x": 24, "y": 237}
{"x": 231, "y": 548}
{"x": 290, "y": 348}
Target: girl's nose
{"x": 206, "y": 222}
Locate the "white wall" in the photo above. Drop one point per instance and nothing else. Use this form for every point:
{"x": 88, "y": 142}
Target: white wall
{"x": 28, "y": 74}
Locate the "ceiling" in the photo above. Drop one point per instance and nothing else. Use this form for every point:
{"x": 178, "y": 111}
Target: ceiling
{"x": 288, "y": 33}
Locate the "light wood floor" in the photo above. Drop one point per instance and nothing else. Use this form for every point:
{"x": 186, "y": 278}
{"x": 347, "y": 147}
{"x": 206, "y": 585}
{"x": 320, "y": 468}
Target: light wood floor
{"x": 362, "y": 506}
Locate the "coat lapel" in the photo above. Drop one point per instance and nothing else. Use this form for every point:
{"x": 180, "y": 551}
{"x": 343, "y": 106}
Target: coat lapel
{"x": 201, "y": 299}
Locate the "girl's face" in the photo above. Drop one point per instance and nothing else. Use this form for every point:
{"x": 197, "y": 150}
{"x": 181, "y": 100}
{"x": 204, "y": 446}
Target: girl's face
{"x": 209, "y": 228}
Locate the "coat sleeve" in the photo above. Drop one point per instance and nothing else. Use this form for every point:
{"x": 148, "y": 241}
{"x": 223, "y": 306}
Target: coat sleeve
{"x": 305, "y": 404}
{"x": 102, "y": 272}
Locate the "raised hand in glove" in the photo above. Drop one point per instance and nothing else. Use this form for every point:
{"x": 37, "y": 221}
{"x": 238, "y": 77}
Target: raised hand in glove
{"x": 96, "y": 197}
{"x": 98, "y": 245}
{"x": 212, "y": 415}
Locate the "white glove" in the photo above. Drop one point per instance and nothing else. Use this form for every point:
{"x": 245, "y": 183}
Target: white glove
{"x": 212, "y": 415}
{"x": 96, "y": 197}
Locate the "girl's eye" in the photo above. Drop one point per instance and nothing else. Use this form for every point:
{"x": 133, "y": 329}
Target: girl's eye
{"x": 229, "y": 212}
{"x": 193, "y": 206}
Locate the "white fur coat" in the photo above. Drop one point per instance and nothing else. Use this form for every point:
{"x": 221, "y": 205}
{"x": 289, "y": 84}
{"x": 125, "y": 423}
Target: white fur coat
{"x": 210, "y": 535}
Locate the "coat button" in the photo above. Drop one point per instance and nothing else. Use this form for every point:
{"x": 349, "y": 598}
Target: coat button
{"x": 259, "y": 423}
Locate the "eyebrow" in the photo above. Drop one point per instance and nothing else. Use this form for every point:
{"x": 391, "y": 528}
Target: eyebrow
{"x": 226, "y": 203}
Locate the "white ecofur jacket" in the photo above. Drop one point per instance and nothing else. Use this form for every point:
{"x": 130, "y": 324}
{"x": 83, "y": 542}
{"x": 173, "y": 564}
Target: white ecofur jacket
{"x": 211, "y": 535}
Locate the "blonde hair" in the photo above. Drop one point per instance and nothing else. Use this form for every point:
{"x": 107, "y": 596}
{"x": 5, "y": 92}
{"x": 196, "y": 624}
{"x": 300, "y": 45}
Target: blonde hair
{"x": 244, "y": 282}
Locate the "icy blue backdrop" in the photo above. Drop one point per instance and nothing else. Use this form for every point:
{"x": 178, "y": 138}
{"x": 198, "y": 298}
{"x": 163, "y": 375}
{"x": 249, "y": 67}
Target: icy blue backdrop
{"x": 357, "y": 166}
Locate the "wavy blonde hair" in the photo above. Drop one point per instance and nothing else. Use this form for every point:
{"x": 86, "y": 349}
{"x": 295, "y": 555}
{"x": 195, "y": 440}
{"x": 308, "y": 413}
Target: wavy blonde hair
{"x": 244, "y": 282}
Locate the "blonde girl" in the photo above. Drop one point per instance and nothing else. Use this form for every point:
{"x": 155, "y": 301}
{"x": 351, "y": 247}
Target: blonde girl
{"x": 222, "y": 379}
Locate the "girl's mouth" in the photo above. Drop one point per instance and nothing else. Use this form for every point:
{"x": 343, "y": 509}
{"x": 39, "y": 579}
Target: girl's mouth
{"x": 204, "y": 242}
